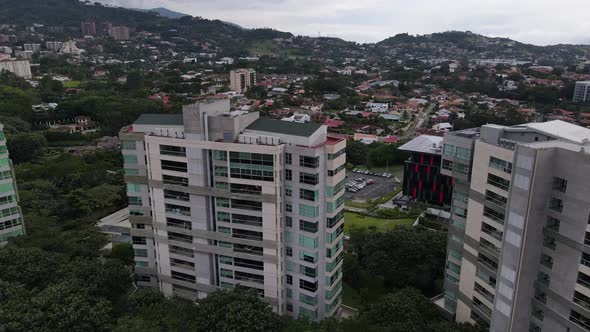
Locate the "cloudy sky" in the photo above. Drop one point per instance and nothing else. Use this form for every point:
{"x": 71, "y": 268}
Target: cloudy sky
{"x": 538, "y": 22}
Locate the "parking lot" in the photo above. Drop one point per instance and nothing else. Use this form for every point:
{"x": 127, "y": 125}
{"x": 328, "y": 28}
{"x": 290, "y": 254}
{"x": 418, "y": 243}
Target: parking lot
{"x": 361, "y": 186}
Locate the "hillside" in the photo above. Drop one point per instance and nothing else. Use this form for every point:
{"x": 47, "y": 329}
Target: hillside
{"x": 454, "y": 44}
{"x": 164, "y": 12}
{"x": 233, "y": 40}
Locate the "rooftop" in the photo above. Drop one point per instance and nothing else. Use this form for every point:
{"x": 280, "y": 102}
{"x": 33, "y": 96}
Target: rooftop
{"x": 160, "y": 119}
{"x": 284, "y": 127}
{"x": 561, "y": 130}
{"x": 425, "y": 144}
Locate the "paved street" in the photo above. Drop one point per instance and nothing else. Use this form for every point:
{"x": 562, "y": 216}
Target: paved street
{"x": 420, "y": 120}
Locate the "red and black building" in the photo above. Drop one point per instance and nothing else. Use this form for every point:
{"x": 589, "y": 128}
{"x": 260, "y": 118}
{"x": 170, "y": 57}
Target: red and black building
{"x": 422, "y": 178}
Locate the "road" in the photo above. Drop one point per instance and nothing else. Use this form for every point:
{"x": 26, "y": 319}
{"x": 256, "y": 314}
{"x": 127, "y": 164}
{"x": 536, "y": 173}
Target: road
{"x": 418, "y": 123}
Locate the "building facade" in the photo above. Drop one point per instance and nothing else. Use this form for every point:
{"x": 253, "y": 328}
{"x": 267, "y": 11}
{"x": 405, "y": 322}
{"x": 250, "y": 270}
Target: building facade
{"x": 119, "y": 32}
{"x": 241, "y": 80}
{"x": 220, "y": 198}
{"x": 582, "y": 92}
{"x": 21, "y": 68}
{"x": 518, "y": 248}
{"x": 35, "y": 48}
{"x": 422, "y": 177}
{"x": 88, "y": 28}
{"x": 11, "y": 216}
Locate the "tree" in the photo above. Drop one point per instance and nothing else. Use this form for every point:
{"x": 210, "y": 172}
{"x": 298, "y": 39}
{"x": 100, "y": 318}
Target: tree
{"x": 50, "y": 90}
{"x": 236, "y": 310}
{"x": 402, "y": 309}
{"x": 24, "y": 147}
{"x": 406, "y": 256}
{"x": 29, "y": 266}
{"x": 58, "y": 307}
{"x": 243, "y": 311}
{"x": 356, "y": 152}
{"x": 122, "y": 252}
{"x": 135, "y": 81}
{"x": 407, "y": 310}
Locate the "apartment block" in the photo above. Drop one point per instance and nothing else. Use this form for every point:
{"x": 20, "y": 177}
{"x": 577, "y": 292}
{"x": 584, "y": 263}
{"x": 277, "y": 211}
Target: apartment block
{"x": 220, "y": 198}
{"x": 21, "y": 68}
{"x": 582, "y": 92}
{"x": 518, "y": 248}
{"x": 11, "y": 216}
{"x": 242, "y": 79}
{"x": 119, "y": 32}
{"x": 35, "y": 48}
{"x": 88, "y": 28}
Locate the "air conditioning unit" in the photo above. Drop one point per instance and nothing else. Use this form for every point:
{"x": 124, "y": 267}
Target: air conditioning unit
{"x": 248, "y": 139}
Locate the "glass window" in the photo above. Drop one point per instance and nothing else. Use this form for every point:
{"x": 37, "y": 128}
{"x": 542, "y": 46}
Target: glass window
{"x": 307, "y": 178}
{"x": 559, "y": 184}
{"x": 6, "y": 187}
{"x": 309, "y": 211}
{"x": 309, "y": 162}
{"x": 463, "y": 153}
{"x": 289, "y": 221}
{"x": 133, "y": 188}
{"x": 128, "y": 145}
{"x": 449, "y": 150}
{"x": 308, "y": 226}
{"x": 501, "y": 165}
{"x": 556, "y": 204}
{"x": 219, "y": 155}
{"x": 171, "y": 150}
{"x": 221, "y": 171}
{"x": 308, "y": 242}
{"x": 130, "y": 159}
{"x": 136, "y": 201}
{"x": 308, "y": 195}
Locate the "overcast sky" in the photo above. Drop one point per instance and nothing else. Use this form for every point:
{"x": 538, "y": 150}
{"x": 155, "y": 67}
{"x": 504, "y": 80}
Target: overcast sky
{"x": 538, "y": 22}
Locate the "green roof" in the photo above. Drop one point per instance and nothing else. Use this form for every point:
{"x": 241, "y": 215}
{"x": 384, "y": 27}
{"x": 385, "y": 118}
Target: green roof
{"x": 160, "y": 119}
{"x": 284, "y": 127}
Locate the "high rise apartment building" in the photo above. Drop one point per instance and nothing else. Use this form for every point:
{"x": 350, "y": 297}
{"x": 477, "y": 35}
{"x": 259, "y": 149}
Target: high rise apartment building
{"x": 88, "y": 28}
{"x": 220, "y": 198}
{"x": 11, "y": 217}
{"x": 518, "y": 256}
{"x": 119, "y": 32}
{"x": 240, "y": 80}
{"x": 582, "y": 92}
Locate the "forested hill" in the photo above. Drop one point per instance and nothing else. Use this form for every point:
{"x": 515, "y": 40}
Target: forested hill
{"x": 455, "y": 44}
{"x": 69, "y": 14}
{"x": 234, "y": 40}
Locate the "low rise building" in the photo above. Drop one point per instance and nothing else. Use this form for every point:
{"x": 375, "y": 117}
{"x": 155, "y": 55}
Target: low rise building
{"x": 422, "y": 177}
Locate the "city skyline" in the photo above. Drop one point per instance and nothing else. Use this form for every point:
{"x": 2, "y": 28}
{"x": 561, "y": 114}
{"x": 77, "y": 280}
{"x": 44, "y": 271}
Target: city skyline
{"x": 538, "y": 23}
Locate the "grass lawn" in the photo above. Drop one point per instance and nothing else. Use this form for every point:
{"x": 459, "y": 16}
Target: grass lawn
{"x": 357, "y": 204}
{"x": 358, "y": 220}
{"x": 72, "y": 84}
{"x": 383, "y": 199}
